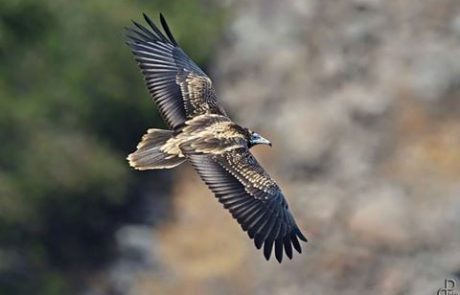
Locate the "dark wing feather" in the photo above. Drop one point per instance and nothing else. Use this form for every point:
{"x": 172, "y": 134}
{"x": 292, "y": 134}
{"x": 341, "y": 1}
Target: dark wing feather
{"x": 177, "y": 85}
{"x": 252, "y": 197}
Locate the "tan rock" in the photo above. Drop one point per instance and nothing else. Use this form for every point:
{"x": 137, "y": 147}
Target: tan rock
{"x": 382, "y": 220}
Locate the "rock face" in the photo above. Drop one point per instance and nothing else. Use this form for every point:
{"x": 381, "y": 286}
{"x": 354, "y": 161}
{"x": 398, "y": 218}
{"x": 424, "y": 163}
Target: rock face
{"x": 362, "y": 102}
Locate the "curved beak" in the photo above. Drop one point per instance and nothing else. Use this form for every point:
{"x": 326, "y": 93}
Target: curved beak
{"x": 258, "y": 139}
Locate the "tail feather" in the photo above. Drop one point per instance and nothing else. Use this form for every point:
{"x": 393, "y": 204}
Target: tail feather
{"x": 149, "y": 154}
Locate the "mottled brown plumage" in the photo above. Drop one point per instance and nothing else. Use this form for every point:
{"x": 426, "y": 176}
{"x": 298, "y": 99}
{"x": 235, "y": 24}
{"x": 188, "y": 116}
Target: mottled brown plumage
{"x": 202, "y": 134}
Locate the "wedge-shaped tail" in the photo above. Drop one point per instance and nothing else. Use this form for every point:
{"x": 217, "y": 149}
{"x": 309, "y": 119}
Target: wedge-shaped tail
{"x": 150, "y": 153}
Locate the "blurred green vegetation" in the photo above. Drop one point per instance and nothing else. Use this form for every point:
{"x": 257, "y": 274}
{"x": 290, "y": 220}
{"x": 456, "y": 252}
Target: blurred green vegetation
{"x": 73, "y": 104}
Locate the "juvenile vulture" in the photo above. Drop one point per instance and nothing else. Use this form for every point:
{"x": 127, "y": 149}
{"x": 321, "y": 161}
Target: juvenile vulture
{"x": 201, "y": 133}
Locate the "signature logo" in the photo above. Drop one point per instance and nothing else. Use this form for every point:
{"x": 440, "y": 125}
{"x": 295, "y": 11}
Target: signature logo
{"x": 449, "y": 288}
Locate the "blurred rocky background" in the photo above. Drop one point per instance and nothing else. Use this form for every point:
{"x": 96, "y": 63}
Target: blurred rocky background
{"x": 361, "y": 99}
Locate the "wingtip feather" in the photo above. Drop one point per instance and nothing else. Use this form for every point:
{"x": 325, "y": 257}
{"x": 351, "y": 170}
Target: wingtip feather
{"x": 288, "y": 247}
{"x": 295, "y": 243}
{"x": 268, "y": 245}
{"x": 279, "y": 250}
{"x": 300, "y": 235}
{"x": 165, "y": 26}
{"x": 146, "y": 17}
{"x": 258, "y": 243}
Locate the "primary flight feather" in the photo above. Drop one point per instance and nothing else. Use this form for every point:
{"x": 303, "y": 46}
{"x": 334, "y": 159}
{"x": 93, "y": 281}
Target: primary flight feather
{"x": 202, "y": 133}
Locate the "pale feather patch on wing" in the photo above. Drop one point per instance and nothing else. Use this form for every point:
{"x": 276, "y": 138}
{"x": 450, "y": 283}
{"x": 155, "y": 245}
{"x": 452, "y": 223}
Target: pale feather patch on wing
{"x": 200, "y": 96}
{"x": 245, "y": 166}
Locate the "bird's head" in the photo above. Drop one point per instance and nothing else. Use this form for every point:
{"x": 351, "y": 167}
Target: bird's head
{"x": 255, "y": 139}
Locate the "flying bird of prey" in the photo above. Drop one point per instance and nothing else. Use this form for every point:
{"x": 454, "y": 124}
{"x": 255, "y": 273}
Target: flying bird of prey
{"x": 202, "y": 134}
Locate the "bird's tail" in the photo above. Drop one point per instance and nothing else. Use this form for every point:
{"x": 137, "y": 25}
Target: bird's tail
{"x": 151, "y": 155}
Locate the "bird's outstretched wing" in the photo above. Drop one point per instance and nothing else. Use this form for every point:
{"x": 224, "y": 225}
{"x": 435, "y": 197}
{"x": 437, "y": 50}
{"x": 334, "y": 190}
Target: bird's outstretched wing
{"x": 251, "y": 196}
{"x": 180, "y": 89}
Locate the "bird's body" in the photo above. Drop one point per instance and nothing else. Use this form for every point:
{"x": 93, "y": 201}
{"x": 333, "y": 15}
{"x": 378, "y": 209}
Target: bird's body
{"x": 202, "y": 133}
